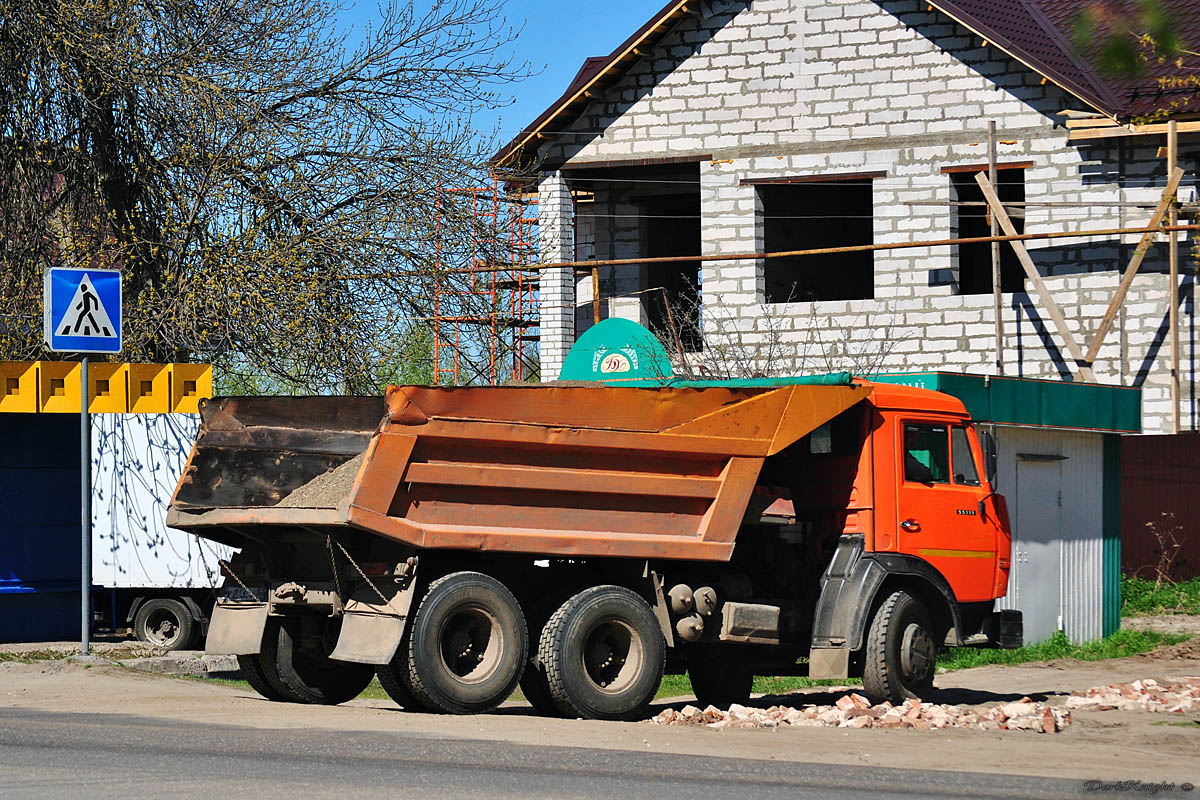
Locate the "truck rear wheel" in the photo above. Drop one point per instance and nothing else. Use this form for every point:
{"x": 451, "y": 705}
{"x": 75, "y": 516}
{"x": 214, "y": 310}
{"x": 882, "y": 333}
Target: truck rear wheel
{"x": 536, "y": 688}
{"x": 295, "y": 661}
{"x": 164, "y": 623}
{"x": 468, "y": 644}
{"x": 252, "y": 670}
{"x": 718, "y": 678}
{"x": 900, "y": 652}
{"x": 534, "y": 684}
{"x": 394, "y": 678}
{"x": 604, "y": 654}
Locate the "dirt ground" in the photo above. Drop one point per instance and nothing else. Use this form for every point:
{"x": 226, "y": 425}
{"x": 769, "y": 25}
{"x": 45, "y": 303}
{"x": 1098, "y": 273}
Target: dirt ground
{"x": 1168, "y": 623}
{"x": 1108, "y": 745}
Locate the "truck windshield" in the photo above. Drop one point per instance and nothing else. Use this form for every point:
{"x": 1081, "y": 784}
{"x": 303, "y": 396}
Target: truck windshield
{"x": 926, "y": 453}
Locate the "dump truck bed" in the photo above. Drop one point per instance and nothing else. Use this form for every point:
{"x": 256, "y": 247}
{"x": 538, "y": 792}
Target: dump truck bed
{"x": 552, "y": 469}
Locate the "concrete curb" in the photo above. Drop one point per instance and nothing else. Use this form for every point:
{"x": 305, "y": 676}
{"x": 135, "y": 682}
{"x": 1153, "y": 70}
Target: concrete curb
{"x": 188, "y": 662}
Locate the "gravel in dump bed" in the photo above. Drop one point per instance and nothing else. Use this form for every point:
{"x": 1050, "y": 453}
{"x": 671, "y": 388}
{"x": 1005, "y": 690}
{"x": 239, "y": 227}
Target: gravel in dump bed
{"x": 327, "y": 489}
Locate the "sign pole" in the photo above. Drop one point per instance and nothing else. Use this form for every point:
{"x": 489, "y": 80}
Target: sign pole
{"x": 85, "y": 503}
{"x": 82, "y": 314}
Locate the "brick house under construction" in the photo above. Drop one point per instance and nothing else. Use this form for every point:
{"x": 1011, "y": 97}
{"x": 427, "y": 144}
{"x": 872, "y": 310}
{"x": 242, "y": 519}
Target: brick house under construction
{"x": 773, "y": 125}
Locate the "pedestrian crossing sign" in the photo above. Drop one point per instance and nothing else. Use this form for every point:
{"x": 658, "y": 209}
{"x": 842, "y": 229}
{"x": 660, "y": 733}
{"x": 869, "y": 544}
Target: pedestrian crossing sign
{"x": 83, "y": 310}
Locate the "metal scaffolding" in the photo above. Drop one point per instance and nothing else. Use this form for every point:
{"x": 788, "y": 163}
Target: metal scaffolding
{"x": 485, "y": 316}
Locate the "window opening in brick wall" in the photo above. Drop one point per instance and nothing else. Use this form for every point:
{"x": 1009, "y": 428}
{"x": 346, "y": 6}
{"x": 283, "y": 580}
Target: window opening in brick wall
{"x": 975, "y": 260}
{"x": 672, "y": 228}
{"x": 803, "y": 216}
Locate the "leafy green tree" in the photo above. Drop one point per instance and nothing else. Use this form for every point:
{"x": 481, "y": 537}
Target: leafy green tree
{"x": 268, "y": 183}
{"x": 1144, "y": 43}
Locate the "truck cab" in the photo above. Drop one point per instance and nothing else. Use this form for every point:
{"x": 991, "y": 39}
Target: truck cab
{"x": 905, "y": 483}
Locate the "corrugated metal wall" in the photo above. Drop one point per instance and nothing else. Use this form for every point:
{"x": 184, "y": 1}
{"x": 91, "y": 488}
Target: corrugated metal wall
{"x": 1083, "y": 536}
{"x": 1160, "y": 474}
{"x": 1077, "y": 527}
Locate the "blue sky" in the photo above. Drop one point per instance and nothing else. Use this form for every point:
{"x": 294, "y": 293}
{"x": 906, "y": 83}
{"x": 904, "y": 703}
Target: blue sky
{"x": 556, "y": 38}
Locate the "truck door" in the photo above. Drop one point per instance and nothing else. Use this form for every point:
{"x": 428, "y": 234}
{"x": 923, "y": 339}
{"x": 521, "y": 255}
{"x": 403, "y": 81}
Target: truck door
{"x": 938, "y": 505}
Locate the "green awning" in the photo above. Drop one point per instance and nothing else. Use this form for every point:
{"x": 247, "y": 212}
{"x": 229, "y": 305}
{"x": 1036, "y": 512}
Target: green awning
{"x": 1034, "y": 403}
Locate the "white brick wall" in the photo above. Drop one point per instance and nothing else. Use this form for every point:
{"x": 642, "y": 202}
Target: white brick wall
{"x": 832, "y": 86}
{"x": 556, "y": 244}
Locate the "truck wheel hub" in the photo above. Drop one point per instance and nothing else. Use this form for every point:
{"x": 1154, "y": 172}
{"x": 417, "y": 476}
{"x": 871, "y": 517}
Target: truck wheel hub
{"x": 612, "y": 656}
{"x": 916, "y": 653}
{"x": 471, "y": 644}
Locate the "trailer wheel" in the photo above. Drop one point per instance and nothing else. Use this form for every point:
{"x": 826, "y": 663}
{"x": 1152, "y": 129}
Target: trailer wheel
{"x": 252, "y": 671}
{"x": 164, "y": 623}
{"x": 468, "y": 644}
{"x": 394, "y": 678}
{"x": 901, "y": 651}
{"x": 296, "y": 663}
{"x": 718, "y": 678}
{"x": 604, "y": 654}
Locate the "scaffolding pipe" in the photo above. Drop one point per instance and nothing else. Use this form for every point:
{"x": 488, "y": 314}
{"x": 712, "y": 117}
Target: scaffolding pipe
{"x": 819, "y": 251}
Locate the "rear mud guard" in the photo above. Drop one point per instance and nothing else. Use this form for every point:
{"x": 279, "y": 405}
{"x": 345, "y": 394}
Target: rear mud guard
{"x": 236, "y": 629}
{"x": 372, "y": 629}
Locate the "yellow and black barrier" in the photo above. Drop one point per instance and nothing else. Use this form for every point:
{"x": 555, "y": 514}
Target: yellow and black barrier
{"x": 52, "y": 387}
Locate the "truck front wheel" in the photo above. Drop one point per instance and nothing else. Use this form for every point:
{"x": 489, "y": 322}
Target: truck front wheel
{"x": 604, "y": 654}
{"x": 164, "y": 623}
{"x": 468, "y": 644}
{"x": 900, "y": 653}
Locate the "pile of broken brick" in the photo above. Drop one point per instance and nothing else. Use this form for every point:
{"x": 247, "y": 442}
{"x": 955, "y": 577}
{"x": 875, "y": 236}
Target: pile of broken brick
{"x": 856, "y": 711}
{"x": 1144, "y": 695}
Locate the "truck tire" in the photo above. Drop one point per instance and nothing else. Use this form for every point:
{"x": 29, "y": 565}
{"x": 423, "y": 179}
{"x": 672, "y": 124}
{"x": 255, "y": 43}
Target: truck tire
{"x": 300, "y": 669}
{"x": 252, "y": 671}
{"x": 604, "y": 654}
{"x": 164, "y": 623}
{"x": 718, "y": 678}
{"x": 900, "y": 654}
{"x": 394, "y": 678}
{"x": 536, "y": 688}
{"x": 468, "y": 644}
{"x": 534, "y": 684}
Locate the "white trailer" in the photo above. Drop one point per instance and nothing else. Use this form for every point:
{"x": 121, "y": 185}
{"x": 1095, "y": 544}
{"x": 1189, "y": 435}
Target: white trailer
{"x": 147, "y": 576}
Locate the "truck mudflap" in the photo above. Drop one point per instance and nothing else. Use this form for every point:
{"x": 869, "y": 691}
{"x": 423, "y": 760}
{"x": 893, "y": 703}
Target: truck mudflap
{"x": 848, "y": 590}
{"x": 236, "y": 628}
{"x": 373, "y": 624}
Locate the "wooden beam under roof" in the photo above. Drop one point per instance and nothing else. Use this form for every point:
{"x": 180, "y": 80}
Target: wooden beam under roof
{"x": 1113, "y": 131}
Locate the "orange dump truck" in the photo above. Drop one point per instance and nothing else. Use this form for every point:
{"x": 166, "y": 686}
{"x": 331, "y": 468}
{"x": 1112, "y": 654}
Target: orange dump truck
{"x": 580, "y": 540}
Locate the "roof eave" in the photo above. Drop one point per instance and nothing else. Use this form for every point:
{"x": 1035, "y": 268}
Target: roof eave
{"x": 625, "y": 52}
{"x": 1105, "y": 105}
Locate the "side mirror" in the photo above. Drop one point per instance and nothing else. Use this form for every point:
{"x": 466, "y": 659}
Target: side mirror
{"x": 987, "y": 443}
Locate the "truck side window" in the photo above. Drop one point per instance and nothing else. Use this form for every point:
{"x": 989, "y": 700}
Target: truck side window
{"x": 926, "y": 453}
{"x": 963, "y": 459}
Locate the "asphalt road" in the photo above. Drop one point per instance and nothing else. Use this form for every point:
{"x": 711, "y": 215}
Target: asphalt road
{"x": 57, "y": 755}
